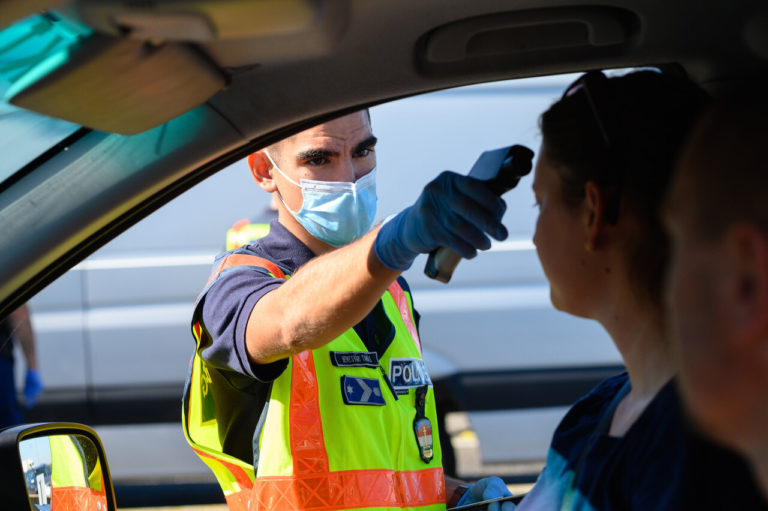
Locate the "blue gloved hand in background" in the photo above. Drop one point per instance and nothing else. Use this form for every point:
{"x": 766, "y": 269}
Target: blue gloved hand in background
{"x": 452, "y": 211}
{"x": 488, "y": 488}
{"x": 33, "y": 386}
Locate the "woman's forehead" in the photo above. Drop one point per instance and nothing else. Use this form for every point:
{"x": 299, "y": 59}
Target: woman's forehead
{"x": 543, "y": 172}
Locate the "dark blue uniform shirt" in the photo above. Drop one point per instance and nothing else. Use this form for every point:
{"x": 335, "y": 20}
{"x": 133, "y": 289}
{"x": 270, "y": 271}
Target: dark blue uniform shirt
{"x": 229, "y": 301}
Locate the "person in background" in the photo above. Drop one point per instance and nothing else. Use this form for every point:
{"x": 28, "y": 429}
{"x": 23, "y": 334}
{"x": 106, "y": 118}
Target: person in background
{"x": 606, "y": 158}
{"x": 248, "y": 230}
{"x": 717, "y": 215}
{"x": 17, "y": 328}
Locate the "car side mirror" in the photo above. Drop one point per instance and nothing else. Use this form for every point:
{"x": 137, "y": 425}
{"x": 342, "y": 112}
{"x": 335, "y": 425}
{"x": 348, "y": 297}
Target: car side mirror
{"x": 54, "y": 466}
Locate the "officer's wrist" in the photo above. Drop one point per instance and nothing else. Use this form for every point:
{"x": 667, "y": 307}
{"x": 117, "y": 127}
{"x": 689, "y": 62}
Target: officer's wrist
{"x": 389, "y": 248}
{"x": 457, "y": 494}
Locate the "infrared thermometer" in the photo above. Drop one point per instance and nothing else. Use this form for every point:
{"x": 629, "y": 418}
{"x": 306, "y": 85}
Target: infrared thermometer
{"x": 501, "y": 169}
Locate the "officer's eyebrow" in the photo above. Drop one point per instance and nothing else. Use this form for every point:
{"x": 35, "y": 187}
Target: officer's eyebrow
{"x": 311, "y": 154}
{"x": 368, "y": 143}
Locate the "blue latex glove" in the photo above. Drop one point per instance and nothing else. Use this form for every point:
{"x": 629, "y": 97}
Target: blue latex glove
{"x": 33, "y": 386}
{"x": 452, "y": 211}
{"x": 488, "y": 488}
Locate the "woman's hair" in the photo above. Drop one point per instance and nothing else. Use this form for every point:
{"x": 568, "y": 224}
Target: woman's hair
{"x": 623, "y": 134}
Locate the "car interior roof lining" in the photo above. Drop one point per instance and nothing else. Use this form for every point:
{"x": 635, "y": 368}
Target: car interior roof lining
{"x": 261, "y": 71}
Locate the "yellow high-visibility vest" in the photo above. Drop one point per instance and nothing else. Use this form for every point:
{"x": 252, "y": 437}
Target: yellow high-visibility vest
{"x": 73, "y": 486}
{"x": 244, "y": 232}
{"x": 338, "y": 432}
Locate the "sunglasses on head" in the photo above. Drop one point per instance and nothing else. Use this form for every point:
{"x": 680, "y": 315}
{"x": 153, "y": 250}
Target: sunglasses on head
{"x": 595, "y": 85}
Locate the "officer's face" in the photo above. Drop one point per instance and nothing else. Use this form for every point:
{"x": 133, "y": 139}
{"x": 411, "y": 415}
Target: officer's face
{"x": 338, "y": 150}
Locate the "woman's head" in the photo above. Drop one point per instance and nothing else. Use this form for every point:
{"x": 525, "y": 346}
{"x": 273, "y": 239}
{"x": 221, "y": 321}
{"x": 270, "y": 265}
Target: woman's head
{"x": 611, "y": 143}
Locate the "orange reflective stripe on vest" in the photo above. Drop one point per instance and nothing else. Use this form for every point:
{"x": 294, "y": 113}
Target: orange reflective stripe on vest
{"x": 242, "y": 478}
{"x": 236, "y": 500}
{"x": 313, "y": 487}
{"x": 405, "y": 311}
{"x": 246, "y": 260}
{"x": 77, "y": 498}
{"x": 306, "y": 427}
{"x": 350, "y": 489}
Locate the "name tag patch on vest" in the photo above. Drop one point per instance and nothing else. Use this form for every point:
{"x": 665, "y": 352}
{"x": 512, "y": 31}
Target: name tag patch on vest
{"x": 361, "y": 391}
{"x": 355, "y": 359}
{"x": 406, "y": 373}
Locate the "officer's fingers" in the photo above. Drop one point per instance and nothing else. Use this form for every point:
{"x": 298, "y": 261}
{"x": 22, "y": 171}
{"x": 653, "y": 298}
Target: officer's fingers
{"x": 507, "y": 506}
{"x": 460, "y": 246}
{"x": 468, "y": 232}
{"x": 491, "y": 207}
{"x": 479, "y": 216}
{"x": 478, "y": 191}
{"x": 475, "y": 493}
{"x": 444, "y": 184}
{"x": 500, "y": 233}
{"x": 450, "y": 186}
{"x": 495, "y": 488}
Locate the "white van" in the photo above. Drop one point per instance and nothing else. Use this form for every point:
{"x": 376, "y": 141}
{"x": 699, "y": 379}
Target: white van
{"x": 495, "y": 347}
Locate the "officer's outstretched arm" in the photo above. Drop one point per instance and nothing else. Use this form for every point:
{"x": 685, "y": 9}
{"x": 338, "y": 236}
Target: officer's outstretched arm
{"x": 335, "y": 291}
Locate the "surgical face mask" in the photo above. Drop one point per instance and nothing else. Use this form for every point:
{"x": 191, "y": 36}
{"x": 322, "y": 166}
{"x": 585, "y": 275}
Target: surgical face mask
{"x": 337, "y": 213}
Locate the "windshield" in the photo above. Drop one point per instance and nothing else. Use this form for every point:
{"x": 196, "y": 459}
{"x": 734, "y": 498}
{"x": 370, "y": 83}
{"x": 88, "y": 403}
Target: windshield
{"x": 28, "y": 49}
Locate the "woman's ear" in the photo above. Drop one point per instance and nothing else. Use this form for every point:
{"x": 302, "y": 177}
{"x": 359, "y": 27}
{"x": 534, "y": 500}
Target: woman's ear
{"x": 594, "y": 201}
{"x": 261, "y": 170}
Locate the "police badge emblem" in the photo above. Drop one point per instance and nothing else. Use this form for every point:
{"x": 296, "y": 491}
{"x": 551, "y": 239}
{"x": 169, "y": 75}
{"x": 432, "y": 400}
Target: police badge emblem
{"x": 423, "y": 429}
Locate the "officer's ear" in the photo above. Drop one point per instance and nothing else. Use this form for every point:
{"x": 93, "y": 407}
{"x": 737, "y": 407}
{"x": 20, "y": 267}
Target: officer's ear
{"x": 261, "y": 170}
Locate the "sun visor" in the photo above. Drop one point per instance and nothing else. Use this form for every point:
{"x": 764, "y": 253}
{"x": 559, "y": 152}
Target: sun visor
{"x": 233, "y": 33}
{"x": 118, "y": 85}
{"x": 199, "y": 20}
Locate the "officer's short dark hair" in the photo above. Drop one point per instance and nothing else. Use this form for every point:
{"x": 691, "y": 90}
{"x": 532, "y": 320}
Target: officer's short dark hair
{"x": 274, "y": 149}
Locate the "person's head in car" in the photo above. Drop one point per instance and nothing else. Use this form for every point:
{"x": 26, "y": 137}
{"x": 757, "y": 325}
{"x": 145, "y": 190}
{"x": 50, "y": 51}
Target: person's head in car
{"x": 606, "y": 157}
{"x": 717, "y": 214}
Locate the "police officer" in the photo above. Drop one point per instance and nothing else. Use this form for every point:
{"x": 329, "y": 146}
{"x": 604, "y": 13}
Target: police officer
{"x": 304, "y": 337}
{"x": 77, "y": 482}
